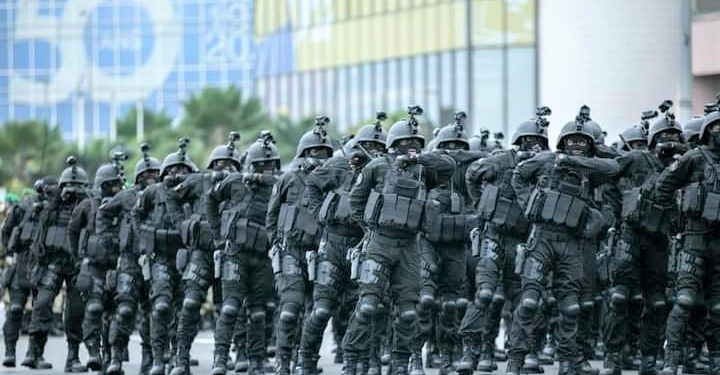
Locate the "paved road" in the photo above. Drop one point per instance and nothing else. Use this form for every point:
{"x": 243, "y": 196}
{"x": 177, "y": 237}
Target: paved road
{"x": 202, "y": 350}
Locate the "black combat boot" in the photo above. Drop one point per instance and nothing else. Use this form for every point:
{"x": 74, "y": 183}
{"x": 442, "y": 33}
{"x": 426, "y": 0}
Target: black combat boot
{"x": 350, "y": 364}
{"x": 400, "y": 365}
{"x": 241, "y": 360}
{"x": 146, "y": 361}
{"x": 583, "y": 367}
{"x": 256, "y": 367}
{"x": 672, "y": 361}
{"x": 158, "y": 366}
{"x": 182, "y": 361}
{"x": 612, "y": 364}
{"x": 513, "y": 367}
{"x": 487, "y": 359}
{"x": 220, "y": 362}
{"x": 116, "y": 356}
{"x": 282, "y": 364}
{"x": 692, "y": 363}
{"x": 446, "y": 362}
{"x": 714, "y": 365}
{"x": 468, "y": 361}
{"x": 416, "y": 363}
{"x": 9, "y": 360}
{"x": 72, "y": 362}
{"x": 647, "y": 365}
{"x": 94, "y": 362}
{"x": 566, "y": 368}
{"x": 531, "y": 364}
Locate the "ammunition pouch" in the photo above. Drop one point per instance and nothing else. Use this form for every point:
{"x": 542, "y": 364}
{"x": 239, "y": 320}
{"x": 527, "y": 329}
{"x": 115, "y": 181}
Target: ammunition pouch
{"x": 643, "y": 213}
{"x": 56, "y": 239}
{"x": 84, "y": 280}
{"x": 372, "y": 208}
{"x": 181, "y": 259}
{"x": 195, "y": 233}
{"x": 693, "y": 199}
{"x": 594, "y": 223}
{"x": 249, "y": 236}
{"x": 711, "y": 208}
{"x": 446, "y": 227}
{"x": 335, "y": 209}
{"x": 158, "y": 241}
{"x": 502, "y": 211}
{"x": 401, "y": 213}
{"x": 555, "y": 207}
{"x": 101, "y": 250}
{"x": 297, "y": 222}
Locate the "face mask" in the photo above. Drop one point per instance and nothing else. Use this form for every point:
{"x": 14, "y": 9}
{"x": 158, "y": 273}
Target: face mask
{"x": 577, "y": 146}
{"x": 533, "y": 144}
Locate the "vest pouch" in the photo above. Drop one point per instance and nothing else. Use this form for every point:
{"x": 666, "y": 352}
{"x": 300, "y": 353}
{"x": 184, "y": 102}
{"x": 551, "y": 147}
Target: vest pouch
{"x": 373, "y": 208}
{"x": 126, "y": 236}
{"x": 327, "y": 209}
{"x": 651, "y": 218}
{"x": 535, "y": 205}
{"x": 562, "y": 209}
{"x": 146, "y": 241}
{"x": 576, "y": 213}
{"x": 27, "y": 232}
{"x": 343, "y": 211}
{"x": 94, "y": 248}
{"x": 593, "y": 224}
{"x": 307, "y": 226}
{"x": 259, "y": 236}
{"x": 692, "y": 200}
{"x": 507, "y": 212}
{"x": 711, "y": 208}
{"x": 55, "y": 238}
{"x": 14, "y": 240}
{"x": 286, "y": 218}
{"x": 432, "y": 221}
{"x": 406, "y": 187}
{"x": 181, "y": 259}
{"x": 488, "y": 199}
{"x": 453, "y": 228}
{"x": 227, "y": 221}
{"x": 547, "y": 213}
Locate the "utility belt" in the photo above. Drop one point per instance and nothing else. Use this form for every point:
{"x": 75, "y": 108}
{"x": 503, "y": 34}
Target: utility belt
{"x": 244, "y": 234}
{"x": 161, "y": 242}
{"x": 343, "y": 232}
{"x": 642, "y": 213}
{"x": 505, "y": 213}
{"x": 299, "y": 224}
{"x": 448, "y": 227}
{"x": 698, "y": 201}
{"x": 394, "y": 212}
{"x": 102, "y": 250}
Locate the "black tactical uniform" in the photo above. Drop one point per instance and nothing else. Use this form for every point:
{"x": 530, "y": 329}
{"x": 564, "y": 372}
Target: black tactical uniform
{"x": 389, "y": 197}
{"x": 96, "y": 241}
{"x": 57, "y": 263}
{"x": 187, "y": 207}
{"x": 641, "y": 253}
{"x": 556, "y": 192}
{"x": 294, "y": 233}
{"x": 698, "y": 265}
{"x": 327, "y": 190}
{"x": 447, "y": 220}
{"x": 504, "y": 227}
{"x": 19, "y": 229}
{"x": 236, "y": 210}
{"x": 159, "y": 242}
{"x": 131, "y": 290}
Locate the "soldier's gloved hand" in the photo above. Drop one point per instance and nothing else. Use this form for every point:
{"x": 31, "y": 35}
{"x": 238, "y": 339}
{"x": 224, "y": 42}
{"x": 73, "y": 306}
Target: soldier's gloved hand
{"x": 9, "y": 260}
{"x": 219, "y": 244}
{"x": 483, "y": 297}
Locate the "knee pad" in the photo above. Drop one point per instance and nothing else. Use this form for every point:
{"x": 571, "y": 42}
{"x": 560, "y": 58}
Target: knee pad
{"x": 368, "y": 305}
{"x": 618, "y": 297}
{"x": 685, "y": 299}
{"x": 529, "y": 303}
{"x": 657, "y": 303}
{"x": 125, "y": 312}
{"x": 449, "y": 307}
{"x": 16, "y": 309}
{"x": 321, "y": 313}
{"x": 587, "y": 305}
{"x": 257, "y": 316}
{"x": 94, "y": 308}
{"x": 427, "y": 301}
{"x": 715, "y": 308}
{"x": 569, "y": 307}
{"x": 191, "y": 304}
{"x": 462, "y": 302}
{"x": 229, "y": 311}
{"x": 408, "y": 316}
{"x": 289, "y": 312}
{"x": 161, "y": 309}
{"x": 483, "y": 297}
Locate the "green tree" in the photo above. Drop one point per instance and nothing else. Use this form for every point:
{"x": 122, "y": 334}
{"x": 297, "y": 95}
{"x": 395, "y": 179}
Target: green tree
{"x": 28, "y": 150}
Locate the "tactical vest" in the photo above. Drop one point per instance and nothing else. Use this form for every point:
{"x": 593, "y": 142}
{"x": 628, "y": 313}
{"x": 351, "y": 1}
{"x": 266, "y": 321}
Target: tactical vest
{"x": 195, "y": 228}
{"x": 126, "y": 227}
{"x": 158, "y": 235}
{"x": 244, "y": 223}
{"x": 335, "y": 209}
{"x": 23, "y": 234}
{"x": 638, "y": 208}
{"x": 295, "y": 221}
{"x": 55, "y": 237}
{"x": 99, "y": 240}
{"x": 702, "y": 199}
{"x": 400, "y": 205}
{"x": 445, "y": 219}
{"x": 498, "y": 206}
{"x": 557, "y": 200}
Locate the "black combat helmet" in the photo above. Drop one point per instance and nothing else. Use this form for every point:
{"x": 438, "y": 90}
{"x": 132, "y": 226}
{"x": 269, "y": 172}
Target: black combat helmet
{"x": 709, "y": 120}
{"x": 578, "y": 127}
{"x": 113, "y": 171}
{"x": 316, "y": 138}
{"x": 535, "y": 127}
{"x": 454, "y": 132}
{"x": 178, "y": 157}
{"x": 691, "y": 130}
{"x": 406, "y": 128}
{"x": 227, "y": 152}
{"x": 147, "y": 163}
{"x": 263, "y": 150}
{"x": 372, "y": 132}
{"x": 73, "y": 174}
{"x": 665, "y": 124}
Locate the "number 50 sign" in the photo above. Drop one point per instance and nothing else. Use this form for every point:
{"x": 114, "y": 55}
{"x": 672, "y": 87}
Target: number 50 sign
{"x": 74, "y": 72}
